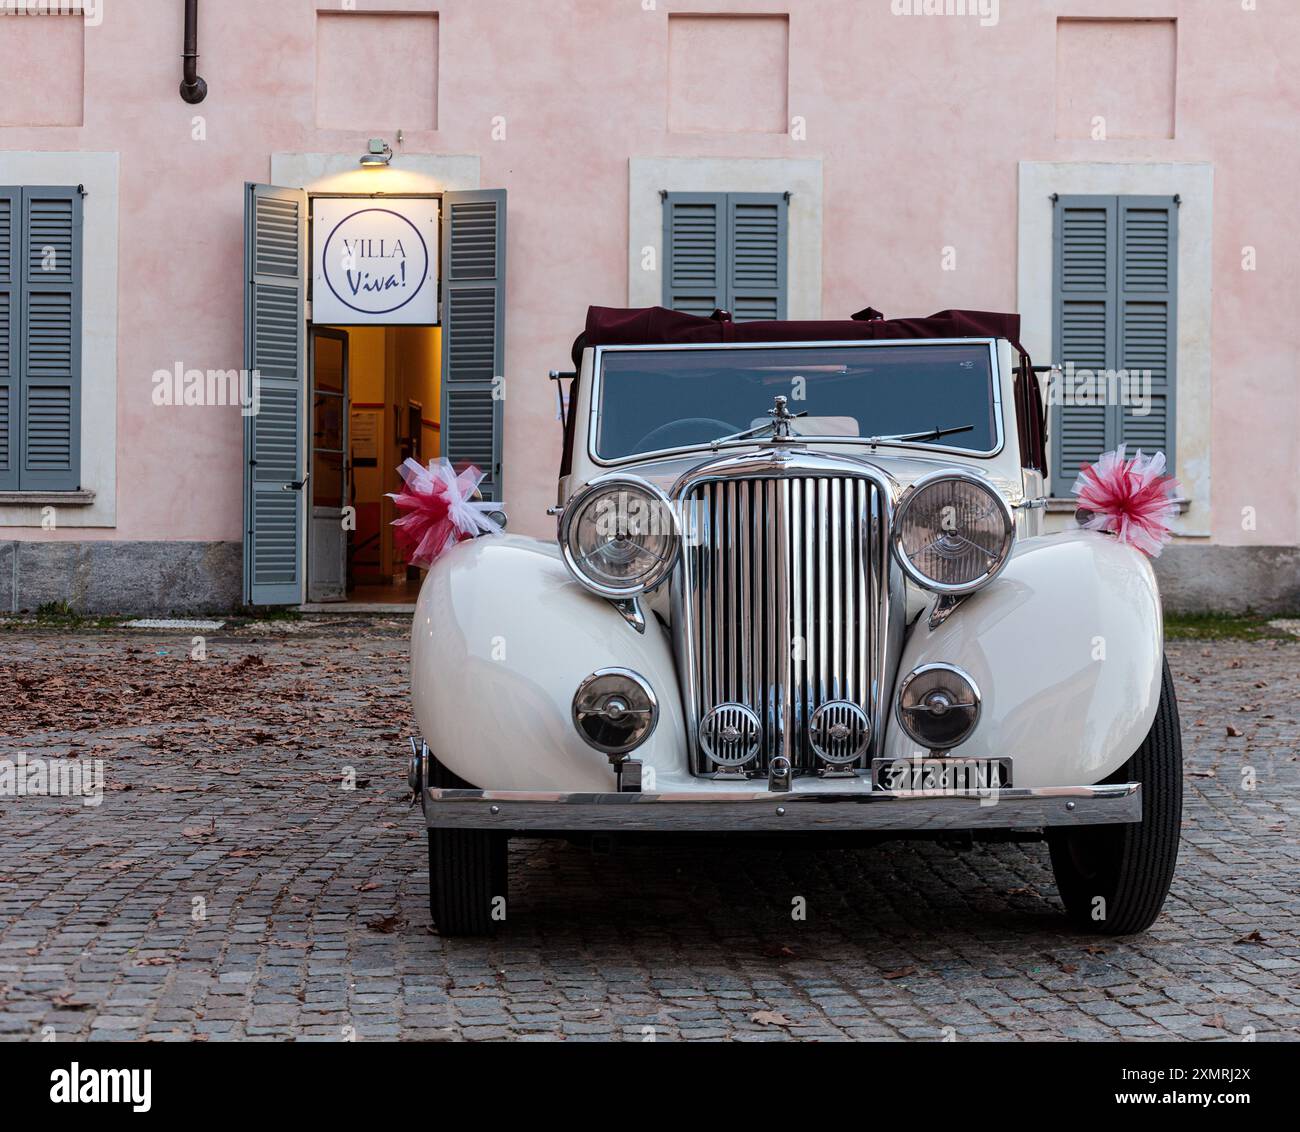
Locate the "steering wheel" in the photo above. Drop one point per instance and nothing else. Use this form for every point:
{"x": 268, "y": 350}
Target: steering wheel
{"x": 656, "y": 436}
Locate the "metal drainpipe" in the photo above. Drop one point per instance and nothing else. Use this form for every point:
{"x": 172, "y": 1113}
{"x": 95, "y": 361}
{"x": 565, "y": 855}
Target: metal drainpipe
{"x": 193, "y": 88}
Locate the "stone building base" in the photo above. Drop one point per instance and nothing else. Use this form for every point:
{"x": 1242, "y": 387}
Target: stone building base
{"x": 1229, "y": 579}
{"x": 206, "y": 577}
{"x": 122, "y": 577}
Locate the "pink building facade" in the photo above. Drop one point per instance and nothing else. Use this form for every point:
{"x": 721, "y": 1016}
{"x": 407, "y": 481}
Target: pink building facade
{"x": 1120, "y": 173}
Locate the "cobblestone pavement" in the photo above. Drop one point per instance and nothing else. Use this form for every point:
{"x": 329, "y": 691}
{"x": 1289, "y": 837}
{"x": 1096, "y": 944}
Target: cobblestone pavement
{"x": 231, "y": 886}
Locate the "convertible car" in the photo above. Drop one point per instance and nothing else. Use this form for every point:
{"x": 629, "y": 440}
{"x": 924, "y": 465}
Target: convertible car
{"x": 800, "y": 585}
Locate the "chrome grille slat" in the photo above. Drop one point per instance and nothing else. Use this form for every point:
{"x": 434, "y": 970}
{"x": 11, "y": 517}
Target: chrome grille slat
{"x": 783, "y": 602}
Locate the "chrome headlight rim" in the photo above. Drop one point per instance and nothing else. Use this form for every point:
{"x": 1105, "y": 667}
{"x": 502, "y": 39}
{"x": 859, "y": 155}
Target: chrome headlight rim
{"x": 921, "y": 670}
{"x": 573, "y": 511}
{"x": 619, "y": 750}
{"x": 909, "y": 497}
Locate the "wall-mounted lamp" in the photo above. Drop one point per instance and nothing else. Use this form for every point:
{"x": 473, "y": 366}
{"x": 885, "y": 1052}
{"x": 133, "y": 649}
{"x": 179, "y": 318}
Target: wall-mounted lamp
{"x": 378, "y": 152}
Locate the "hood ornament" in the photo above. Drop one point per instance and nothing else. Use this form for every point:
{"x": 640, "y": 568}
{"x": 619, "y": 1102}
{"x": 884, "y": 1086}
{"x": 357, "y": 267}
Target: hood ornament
{"x": 779, "y": 426}
{"x": 781, "y": 418}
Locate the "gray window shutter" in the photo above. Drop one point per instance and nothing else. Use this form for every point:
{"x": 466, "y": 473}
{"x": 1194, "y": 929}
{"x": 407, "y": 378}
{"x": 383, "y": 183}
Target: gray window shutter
{"x": 473, "y": 327}
{"x": 11, "y": 205}
{"x": 1115, "y": 287}
{"x": 1085, "y": 242}
{"x": 1147, "y": 288}
{"x": 49, "y": 385}
{"x": 275, "y": 273}
{"x": 695, "y": 252}
{"x": 756, "y": 260}
{"x": 726, "y": 251}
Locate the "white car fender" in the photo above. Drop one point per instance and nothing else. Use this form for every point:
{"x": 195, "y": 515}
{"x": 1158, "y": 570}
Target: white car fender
{"x": 1066, "y": 648}
{"x": 501, "y": 639}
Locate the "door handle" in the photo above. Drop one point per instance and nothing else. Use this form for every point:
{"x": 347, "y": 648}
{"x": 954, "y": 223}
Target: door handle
{"x": 296, "y": 485}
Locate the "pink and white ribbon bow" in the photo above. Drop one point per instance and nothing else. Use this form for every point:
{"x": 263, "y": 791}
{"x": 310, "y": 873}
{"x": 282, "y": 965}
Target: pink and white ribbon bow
{"x": 1131, "y": 499}
{"x": 439, "y": 510}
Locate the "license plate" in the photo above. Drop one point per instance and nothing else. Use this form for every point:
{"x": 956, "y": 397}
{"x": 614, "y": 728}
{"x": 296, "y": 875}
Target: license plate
{"x": 949, "y": 776}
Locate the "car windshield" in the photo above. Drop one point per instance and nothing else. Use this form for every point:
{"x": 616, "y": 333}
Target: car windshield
{"x": 651, "y": 400}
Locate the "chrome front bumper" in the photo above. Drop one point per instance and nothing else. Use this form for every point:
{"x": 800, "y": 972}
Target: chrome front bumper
{"x": 738, "y": 811}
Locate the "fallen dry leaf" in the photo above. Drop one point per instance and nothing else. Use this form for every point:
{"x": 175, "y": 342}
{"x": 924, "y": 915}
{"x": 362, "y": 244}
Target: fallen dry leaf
{"x": 769, "y": 1018}
{"x": 901, "y": 973}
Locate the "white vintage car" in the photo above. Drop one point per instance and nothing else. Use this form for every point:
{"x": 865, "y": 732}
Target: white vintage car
{"x": 800, "y": 585}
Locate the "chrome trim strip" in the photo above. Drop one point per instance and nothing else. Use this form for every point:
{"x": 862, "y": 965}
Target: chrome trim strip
{"x": 593, "y": 412}
{"x": 797, "y": 809}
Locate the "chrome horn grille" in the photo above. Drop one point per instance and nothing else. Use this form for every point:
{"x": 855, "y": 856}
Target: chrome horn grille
{"x": 781, "y": 596}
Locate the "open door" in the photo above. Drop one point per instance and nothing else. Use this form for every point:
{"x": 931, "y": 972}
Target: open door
{"x": 329, "y": 486}
{"x": 474, "y": 327}
{"x": 275, "y": 295}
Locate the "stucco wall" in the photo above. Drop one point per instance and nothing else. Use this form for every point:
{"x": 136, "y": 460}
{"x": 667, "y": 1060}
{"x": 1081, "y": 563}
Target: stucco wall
{"x": 919, "y": 125}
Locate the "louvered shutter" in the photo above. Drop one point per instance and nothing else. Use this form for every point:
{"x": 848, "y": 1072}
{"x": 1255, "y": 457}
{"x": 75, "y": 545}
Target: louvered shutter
{"x": 11, "y": 206}
{"x": 756, "y": 259}
{"x": 1085, "y": 245}
{"x": 1116, "y": 269}
{"x": 275, "y": 273}
{"x": 49, "y": 401}
{"x": 726, "y": 251}
{"x": 473, "y": 331}
{"x": 1147, "y": 288}
{"x": 695, "y": 252}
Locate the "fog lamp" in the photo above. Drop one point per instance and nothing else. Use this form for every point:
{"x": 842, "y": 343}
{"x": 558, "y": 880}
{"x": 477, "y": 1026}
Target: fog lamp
{"x": 938, "y": 706}
{"x": 615, "y": 710}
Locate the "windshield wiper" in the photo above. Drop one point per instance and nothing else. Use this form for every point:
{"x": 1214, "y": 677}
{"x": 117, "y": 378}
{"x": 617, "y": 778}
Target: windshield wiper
{"x": 781, "y": 419}
{"x": 909, "y": 437}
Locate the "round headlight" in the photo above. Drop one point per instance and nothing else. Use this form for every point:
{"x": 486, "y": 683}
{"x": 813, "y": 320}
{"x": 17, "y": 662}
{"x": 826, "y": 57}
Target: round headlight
{"x": 938, "y": 706}
{"x": 619, "y": 536}
{"x": 615, "y": 710}
{"x": 952, "y": 532}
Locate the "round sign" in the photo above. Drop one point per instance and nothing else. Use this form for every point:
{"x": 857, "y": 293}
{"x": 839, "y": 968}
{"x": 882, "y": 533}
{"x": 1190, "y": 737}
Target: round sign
{"x": 375, "y": 261}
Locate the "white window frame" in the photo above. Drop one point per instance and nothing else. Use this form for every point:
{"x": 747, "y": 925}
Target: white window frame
{"x": 1193, "y": 184}
{"x": 648, "y": 177}
{"x": 95, "y": 505}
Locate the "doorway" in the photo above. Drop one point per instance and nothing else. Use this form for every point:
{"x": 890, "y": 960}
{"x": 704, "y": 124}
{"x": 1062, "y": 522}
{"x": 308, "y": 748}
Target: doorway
{"x": 366, "y": 426}
{"x": 375, "y": 401}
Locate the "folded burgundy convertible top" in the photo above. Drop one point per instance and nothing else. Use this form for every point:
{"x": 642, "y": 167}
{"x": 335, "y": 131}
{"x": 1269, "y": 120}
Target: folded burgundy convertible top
{"x": 614, "y": 326}
{"x": 647, "y": 326}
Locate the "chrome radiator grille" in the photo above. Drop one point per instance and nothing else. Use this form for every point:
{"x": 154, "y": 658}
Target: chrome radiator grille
{"x": 781, "y": 588}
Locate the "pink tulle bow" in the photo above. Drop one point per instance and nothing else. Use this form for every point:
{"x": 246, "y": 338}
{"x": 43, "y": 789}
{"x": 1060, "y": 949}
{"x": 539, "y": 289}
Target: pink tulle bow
{"x": 438, "y": 509}
{"x": 1132, "y": 499}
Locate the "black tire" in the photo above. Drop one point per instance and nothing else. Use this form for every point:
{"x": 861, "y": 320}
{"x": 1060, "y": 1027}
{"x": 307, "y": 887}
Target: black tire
{"x": 467, "y": 871}
{"x": 1128, "y": 866}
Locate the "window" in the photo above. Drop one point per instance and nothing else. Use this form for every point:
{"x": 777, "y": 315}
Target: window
{"x": 726, "y": 251}
{"x": 663, "y": 399}
{"x": 1114, "y": 297}
{"x": 40, "y": 338}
